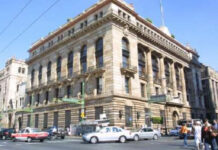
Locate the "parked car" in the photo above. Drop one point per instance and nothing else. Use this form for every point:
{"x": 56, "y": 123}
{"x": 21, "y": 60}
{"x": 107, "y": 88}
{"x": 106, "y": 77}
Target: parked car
{"x": 29, "y": 134}
{"x": 146, "y": 133}
{"x": 55, "y": 133}
{"x": 175, "y": 131}
{"x": 6, "y": 133}
{"x": 108, "y": 134}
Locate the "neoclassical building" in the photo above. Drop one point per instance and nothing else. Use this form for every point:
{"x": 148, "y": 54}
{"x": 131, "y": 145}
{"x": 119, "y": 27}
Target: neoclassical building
{"x": 210, "y": 88}
{"x": 12, "y": 90}
{"x": 125, "y": 62}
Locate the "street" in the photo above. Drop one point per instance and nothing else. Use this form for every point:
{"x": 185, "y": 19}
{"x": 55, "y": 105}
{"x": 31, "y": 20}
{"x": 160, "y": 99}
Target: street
{"x": 165, "y": 143}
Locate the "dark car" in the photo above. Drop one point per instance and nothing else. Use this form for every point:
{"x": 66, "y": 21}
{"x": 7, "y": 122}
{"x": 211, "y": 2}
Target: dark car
{"x": 55, "y": 133}
{"x": 6, "y": 133}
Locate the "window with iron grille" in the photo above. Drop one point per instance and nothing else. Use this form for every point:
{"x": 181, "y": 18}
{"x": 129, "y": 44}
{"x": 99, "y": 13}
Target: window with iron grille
{"x": 40, "y": 74}
{"x": 55, "y": 123}
{"x": 49, "y": 70}
{"x": 141, "y": 62}
{"x": 98, "y": 112}
{"x": 155, "y": 67}
{"x": 45, "y": 122}
{"x": 125, "y": 52}
{"x": 59, "y": 67}
{"x": 167, "y": 72}
{"x": 32, "y": 76}
{"x": 67, "y": 118}
{"x": 36, "y": 120}
{"x": 128, "y": 116}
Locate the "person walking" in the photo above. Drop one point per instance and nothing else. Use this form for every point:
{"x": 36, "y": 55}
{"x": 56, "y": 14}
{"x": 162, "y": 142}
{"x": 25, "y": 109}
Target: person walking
{"x": 208, "y": 136}
{"x": 184, "y": 132}
{"x": 196, "y": 129}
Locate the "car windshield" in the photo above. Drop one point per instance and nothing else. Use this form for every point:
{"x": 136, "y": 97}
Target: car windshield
{"x": 35, "y": 130}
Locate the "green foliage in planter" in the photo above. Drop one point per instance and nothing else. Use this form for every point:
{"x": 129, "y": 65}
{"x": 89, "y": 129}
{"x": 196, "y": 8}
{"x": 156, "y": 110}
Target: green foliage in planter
{"x": 157, "y": 120}
{"x": 149, "y": 20}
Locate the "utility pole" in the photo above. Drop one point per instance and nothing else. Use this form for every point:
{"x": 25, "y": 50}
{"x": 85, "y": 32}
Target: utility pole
{"x": 83, "y": 102}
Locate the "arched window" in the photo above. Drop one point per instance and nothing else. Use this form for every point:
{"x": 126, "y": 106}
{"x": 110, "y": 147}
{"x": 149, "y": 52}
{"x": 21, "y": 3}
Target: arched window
{"x": 59, "y": 67}
{"x": 141, "y": 62}
{"x": 70, "y": 64}
{"x": 40, "y": 73}
{"x": 99, "y": 53}
{"x": 49, "y": 70}
{"x": 125, "y": 52}
{"x": 32, "y": 76}
{"x": 167, "y": 71}
{"x": 155, "y": 67}
{"x": 83, "y": 59}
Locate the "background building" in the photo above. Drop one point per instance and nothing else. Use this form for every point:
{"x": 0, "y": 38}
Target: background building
{"x": 12, "y": 90}
{"x": 125, "y": 62}
{"x": 210, "y": 88}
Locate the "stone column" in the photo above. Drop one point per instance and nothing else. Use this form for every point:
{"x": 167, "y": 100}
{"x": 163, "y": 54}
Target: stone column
{"x": 150, "y": 74}
{"x": 173, "y": 75}
{"x": 54, "y": 68}
{"x": 184, "y": 93}
{"x": 162, "y": 75}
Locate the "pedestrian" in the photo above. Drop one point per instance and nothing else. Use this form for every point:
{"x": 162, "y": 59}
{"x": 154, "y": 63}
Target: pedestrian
{"x": 208, "y": 136}
{"x": 215, "y": 126}
{"x": 184, "y": 132}
{"x": 196, "y": 129}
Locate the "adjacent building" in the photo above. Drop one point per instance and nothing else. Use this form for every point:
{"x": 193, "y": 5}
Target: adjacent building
{"x": 125, "y": 61}
{"x": 210, "y": 88}
{"x": 12, "y": 90}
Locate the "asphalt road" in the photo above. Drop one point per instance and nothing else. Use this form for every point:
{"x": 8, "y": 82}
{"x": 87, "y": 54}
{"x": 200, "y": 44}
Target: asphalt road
{"x": 165, "y": 143}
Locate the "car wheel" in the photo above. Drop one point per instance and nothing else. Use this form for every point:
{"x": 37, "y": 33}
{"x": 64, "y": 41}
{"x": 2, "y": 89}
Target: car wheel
{"x": 155, "y": 137}
{"x": 29, "y": 139}
{"x": 42, "y": 140}
{"x": 94, "y": 140}
{"x": 122, "y": 139}
{"x": 63, "y": 137}
{"x": 136, "y": 138}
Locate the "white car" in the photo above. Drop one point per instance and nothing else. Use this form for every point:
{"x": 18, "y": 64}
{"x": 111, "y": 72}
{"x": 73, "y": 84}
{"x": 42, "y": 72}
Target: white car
{"x": 108, "y": 134}
{"x": 146, "y": 133}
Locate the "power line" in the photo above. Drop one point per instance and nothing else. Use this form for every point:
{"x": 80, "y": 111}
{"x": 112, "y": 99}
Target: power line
{"x": 29, "y": 26}
{"x": 14, "y": 18}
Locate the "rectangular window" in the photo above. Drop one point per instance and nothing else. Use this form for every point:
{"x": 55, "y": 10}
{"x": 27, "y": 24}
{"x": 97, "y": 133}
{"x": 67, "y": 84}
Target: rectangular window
{"x": 127, "y": 84}
{"x": 46, "y": 97}
{"x": 128, "y": 116}
{"x": 57, "y": 93}
{"x": 45, "y": 122}
{"x": 67, "y": 118}
{"x": 55, "y": 123}
{"x": 99, "y": 85}
{"x": 98, "y": 112}
{"x": 68, "y": 91}
{"x": 142, "y": 90}
{"x": 36, "y": 121}
{"x": 38, "y": 99}
{"x": 28, "y": 120}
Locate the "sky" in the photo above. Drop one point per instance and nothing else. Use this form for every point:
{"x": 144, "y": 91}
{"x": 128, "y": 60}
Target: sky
{"x": 193, "y": 22}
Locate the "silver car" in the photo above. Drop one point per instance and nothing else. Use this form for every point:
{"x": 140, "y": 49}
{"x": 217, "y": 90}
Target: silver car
{"x": 108, "y": 134}
{"x": 146, "y": 133}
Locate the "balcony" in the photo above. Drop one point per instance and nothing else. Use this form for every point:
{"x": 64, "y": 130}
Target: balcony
{"x": 128, "y": 69}
{"x": 175, "y": 101}
{"x": 157, "y": 81}
{"x": 99, "y": 69}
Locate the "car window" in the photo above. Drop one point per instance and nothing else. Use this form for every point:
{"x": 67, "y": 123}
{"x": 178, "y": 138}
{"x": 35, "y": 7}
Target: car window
{"x": 35, "y": 130}
{"x": 150, "y": 130}
{"x": 120, "y": 130}
{"x": 108, "y": 130}
{"x": 115, "y": 129}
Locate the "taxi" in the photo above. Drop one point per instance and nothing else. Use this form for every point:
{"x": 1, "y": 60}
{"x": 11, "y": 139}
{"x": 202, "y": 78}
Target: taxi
{"x": 29, "y": 134}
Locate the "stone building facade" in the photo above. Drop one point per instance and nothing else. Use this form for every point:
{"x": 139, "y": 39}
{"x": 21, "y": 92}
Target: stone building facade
{"x": 210, "y": 88}
{"x": 124, "y": 61}
{"x": 12, "y": 90}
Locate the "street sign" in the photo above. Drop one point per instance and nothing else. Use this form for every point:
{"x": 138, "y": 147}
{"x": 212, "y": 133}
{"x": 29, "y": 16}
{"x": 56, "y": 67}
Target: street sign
{"x": 71, "y": 100}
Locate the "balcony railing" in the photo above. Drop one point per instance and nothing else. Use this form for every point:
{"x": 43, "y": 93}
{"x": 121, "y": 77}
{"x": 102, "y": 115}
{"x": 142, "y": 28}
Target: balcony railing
{"x": 174, "y": 100}
{"x": 126, "y": 67}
